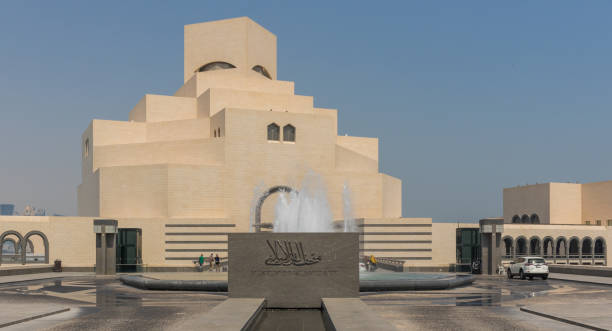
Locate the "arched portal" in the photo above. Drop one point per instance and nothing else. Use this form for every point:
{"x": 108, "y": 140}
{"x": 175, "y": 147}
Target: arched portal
{"x": 548, "y": 245}
{"x": 574, "y": 250}
{"x": 262, "y": 198}
{"x": 535, "y": 219}
{"x": 36, "y": 256}
{"x": 561, "y": 249}
{"x": 586, "y": 250}
{"x": 19, "y": 257}
{"x": 516, "y": 219}
{"x": 534, "y": 246}
{"x": 521, "y": 246}
{"x": 599, "y": 251}
{"x": 508, "y": 250}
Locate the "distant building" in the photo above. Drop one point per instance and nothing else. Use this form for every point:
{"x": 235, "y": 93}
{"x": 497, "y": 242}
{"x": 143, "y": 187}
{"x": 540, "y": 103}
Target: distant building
{"x": 7, "y": 209}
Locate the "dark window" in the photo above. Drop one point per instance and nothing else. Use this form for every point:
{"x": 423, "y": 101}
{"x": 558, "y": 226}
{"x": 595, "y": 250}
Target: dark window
{"x": 273, "y": 132}
{"x": 262, "y": 71}
{"x": 289, "y": 133}
{"x": 216, "y": 66}
{"x": 86, "y": 148}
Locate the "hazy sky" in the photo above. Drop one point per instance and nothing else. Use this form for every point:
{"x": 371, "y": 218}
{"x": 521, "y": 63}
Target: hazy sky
{"x": 467, "y": 97}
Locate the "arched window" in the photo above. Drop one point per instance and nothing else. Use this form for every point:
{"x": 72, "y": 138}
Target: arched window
{"x": 535, "y": 219}
{"x": 289, "y": 133}
{"x": 525, "y": 219}
{"x": 219, "y": 65}
{"x": 516, "y": 219}
{"x": 262, "y": 71}
{"x": 274, "y": 132}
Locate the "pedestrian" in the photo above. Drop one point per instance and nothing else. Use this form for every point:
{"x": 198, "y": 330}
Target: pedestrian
{"x": 211, "y": 260}
{"x": 201, "y": 260}
{"x": 373, "y": 262}
{"x": 217, "y": 263}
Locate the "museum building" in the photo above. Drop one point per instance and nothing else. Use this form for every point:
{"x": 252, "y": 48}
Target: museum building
{"x": 185, "y": 170}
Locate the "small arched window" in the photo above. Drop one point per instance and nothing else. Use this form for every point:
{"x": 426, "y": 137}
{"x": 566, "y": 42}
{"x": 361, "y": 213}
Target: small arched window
{"x": 86, "y": 148}
{"x": 289, "y": 133}
{"x": 262, "y": 70}
{"x": 273, "y": 132}
{"x": 216, "y": 66}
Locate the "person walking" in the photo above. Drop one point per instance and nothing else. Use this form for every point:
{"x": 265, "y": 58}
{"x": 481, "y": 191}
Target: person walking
{"x": 217, "y": 263}
{"x": 201, "y": 260}
{"x": 211, "y": 260}
{"x": 373, "y": 262}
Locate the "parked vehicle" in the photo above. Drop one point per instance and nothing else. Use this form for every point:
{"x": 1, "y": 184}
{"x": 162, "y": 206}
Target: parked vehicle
{"x": 528, "y": 266}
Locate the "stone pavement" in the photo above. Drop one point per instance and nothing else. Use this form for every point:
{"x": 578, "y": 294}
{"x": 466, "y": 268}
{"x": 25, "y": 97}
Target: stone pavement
{"x": 14, "y": 314}
{"x": 596, "y": 317}
{"x": 45, "y": 275}
{"x": 581, "y": 278}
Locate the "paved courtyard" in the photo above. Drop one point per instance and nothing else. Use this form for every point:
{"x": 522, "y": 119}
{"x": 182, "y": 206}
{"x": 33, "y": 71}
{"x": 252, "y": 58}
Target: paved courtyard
{"x": 103, "y": 303}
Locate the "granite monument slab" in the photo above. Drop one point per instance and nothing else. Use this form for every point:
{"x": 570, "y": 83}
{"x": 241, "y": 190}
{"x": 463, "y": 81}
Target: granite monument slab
{"x": 293, "y": 270}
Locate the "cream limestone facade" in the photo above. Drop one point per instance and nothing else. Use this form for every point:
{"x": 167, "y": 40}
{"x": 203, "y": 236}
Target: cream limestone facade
{"x": 203, "y": 152}
{"x": 559, "y": 203}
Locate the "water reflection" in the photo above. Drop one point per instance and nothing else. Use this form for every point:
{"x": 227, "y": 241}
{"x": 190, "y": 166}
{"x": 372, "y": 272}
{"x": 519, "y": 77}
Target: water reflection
{"x": 290, "y": 319}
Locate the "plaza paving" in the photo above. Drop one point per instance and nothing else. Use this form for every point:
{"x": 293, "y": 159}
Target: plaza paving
{"x": 103, "y": 303}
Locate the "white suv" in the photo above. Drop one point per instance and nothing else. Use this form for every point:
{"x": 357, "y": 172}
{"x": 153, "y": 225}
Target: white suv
{"x": 528, "y": 266}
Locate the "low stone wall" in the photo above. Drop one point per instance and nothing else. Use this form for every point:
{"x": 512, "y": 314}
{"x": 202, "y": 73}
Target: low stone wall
{"x": 581, "y": 270}
{"x": 25, "y": 270}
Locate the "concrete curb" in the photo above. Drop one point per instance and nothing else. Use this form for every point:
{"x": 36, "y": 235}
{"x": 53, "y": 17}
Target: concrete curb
{"x": 578, "y": 281}
{"x": 364, "y": 285}
{"x": 175, "y": 285}
{"x": 414, "y": 285}
{"x": 34, "y": 317}
{"x": 561, "y": 319}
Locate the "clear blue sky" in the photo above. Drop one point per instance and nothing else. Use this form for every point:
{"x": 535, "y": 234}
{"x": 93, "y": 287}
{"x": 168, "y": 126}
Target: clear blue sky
{"x": 467, "y": 97}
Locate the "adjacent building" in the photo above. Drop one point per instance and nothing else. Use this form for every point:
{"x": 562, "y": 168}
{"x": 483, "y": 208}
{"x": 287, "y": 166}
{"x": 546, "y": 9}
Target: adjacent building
{"x": 7, "y": 209}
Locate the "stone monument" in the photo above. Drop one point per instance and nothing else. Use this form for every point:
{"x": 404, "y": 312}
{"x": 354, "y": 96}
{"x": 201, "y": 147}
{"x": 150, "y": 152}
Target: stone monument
{"x": 293, "y": 270}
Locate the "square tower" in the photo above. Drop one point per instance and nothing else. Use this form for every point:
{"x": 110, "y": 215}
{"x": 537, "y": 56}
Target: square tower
{"x": 239, "y": 42}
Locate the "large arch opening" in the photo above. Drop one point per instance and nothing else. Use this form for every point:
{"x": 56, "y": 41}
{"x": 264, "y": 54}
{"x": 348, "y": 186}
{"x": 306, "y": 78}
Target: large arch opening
{"x": 508, "y": 247}
{"x": 40, "y": 252}
{"x": 521, "y": 246}
{"x": 18, "y": 255}
{"x": 587, "y": 249}
{"x": 599, "y": 251}
{"x": 534, "y": 246}
{"x": 257, "y": 224}
{"x": 548, "y": 245}
{"x": 574, "y": 249}
{"x": 561, "y": 249}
